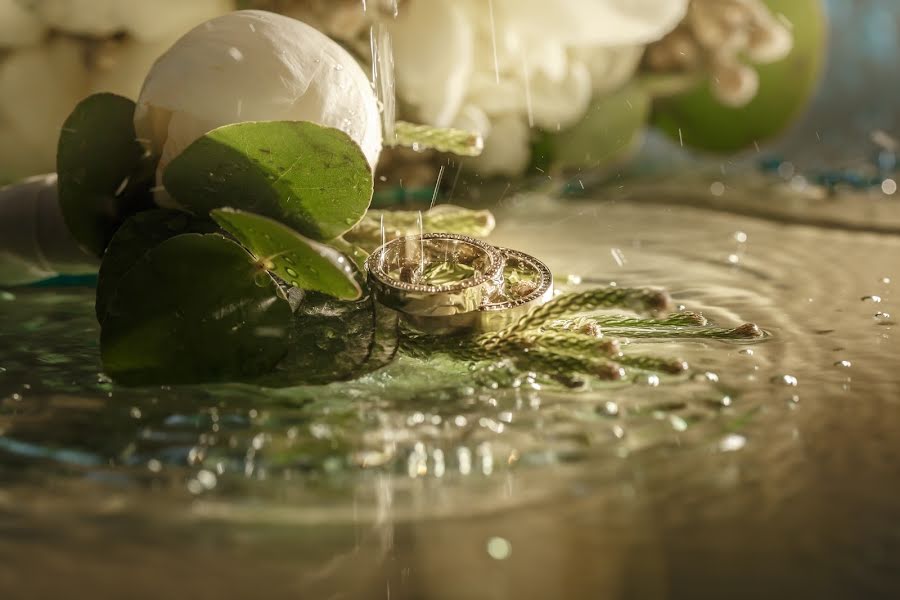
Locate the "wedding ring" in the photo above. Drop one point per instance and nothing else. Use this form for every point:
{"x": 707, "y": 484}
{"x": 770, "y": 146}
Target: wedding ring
{"x": 434, "y": 276}
{"x": 443, "y": 283}
{"x": 527, "y": 283}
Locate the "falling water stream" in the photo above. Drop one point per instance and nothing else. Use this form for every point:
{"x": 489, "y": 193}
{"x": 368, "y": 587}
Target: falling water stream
{"x": 772, "y": 466}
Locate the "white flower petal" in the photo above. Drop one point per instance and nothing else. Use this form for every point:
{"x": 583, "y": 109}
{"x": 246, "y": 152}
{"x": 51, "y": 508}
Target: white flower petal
{"x": 559, "y": 104}
{"x": 18, "y": 26}
{"x": 433, "y": 45}
{"x": 592, "y": 22}
{"x": 507, "y": 149}
{"x": 610, "y": 68}
{"x": 254, "y": 66}
{"x": 39, "y": 87}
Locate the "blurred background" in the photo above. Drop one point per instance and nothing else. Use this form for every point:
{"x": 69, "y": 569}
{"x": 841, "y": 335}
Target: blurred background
{"x": 807, "y": 81}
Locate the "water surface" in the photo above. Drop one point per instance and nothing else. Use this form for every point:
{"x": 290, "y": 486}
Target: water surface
{"x": 772, "y": 470}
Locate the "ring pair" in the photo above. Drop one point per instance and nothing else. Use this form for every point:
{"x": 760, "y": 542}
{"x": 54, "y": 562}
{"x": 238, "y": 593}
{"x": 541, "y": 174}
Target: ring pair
{"x": 445, "y": 282}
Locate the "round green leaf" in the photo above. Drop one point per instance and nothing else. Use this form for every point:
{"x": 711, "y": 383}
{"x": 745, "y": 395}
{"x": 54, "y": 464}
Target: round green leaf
{"x": 104, "y": 172}
{"x": 133, "y": 239}
{"x": 196, "y": 308}
{"x": 335, "y": 341}
{"x": 298, "y": 260}
{"x": 698, "y": 120}
{"x": 314, "y": 179}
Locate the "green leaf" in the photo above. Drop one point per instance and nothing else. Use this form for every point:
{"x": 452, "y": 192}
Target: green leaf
{"x": 336, "y": 340}
{"x": 299, "y": 261}
{"x": 608, "y": 133}
{"x": 104, "y": 172}
{"x": 196, "y": 308}
{"x": 314, "y": 179}
{"x": 698, "y": 120}
{"x": 133, "y": 239}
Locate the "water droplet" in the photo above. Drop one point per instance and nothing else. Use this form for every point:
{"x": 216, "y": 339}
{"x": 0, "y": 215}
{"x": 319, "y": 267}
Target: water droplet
{"x": 734, "y": 259}
{"x": 573, "y": 279}
{"x": 740, "y": 237}
{"x": 732, "y": 442}
{"x": 882, "y": 315}
{"x": 499, "y": 548}
{"x": 7, "y": 296}
{"x": 789, "y": 380}
{"x": 746, "y": 352}
{"x": 291, "y": 272}
{"x": 717, "y": 188}
{"x": 846, "y": 364}
{"x": 873, "y": 298}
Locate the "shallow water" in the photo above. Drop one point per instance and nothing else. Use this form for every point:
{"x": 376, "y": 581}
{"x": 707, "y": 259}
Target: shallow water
{"x": 772, "y": 469}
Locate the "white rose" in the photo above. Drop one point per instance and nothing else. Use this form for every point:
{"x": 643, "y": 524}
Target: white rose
{"x": 142, "y": 19}
{"x": 254, "y": 66}
{"x": 534, "y": 61}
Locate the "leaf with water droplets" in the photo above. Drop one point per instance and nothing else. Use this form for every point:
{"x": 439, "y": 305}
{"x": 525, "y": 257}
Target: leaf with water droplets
{"x": 312, "y": 178}
{"x": 299, "y": 261}
{"x": 194, "y": 309}
{"x": 104, "y": 173}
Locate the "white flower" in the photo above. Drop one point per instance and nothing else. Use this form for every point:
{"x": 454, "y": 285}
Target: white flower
{"x": 39, "y": 87}
{"x": 18, "y": 26}
{"x": 143, "y": 19}
{"x": 254, "y": 66}
{"x": 482, "y": 63}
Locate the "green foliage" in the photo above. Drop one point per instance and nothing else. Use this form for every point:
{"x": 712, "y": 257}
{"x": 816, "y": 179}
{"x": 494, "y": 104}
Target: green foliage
{"x": 133, "y": 239}
{"x": 104, "y": 174}
{"x": 311, "y": 178}
{"x": 299, "y": 261}
{"x": 785, "y": 89}
{"x": 195, "y": 308}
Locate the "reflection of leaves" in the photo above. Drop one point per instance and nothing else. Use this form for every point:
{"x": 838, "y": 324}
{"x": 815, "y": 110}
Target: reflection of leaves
{"x": 133, "y": 239}
{"x": 314, "y": 179}
{"x": 334, "y": 341}
{"x": 104, "y": 174}
{"x": 298, "y": 260}
{"x": 193, "y": 309}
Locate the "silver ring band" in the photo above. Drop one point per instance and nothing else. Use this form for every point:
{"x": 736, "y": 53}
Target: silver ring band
{"x": 435, "y": 275}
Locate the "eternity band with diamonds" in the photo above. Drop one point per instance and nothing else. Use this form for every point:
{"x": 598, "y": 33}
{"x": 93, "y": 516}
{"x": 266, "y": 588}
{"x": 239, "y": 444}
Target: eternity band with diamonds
{"x": 441, "y": 282}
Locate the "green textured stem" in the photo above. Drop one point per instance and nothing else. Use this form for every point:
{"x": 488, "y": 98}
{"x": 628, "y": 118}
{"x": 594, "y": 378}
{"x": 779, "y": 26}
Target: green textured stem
{"x": 548, "y": 362}
{"x": 682, "y": 319}
{"x": 637, "y": 299}
{"x": 454, "y": 141}
{"x": 445, "y": 218}
{"x": 747, "y": 331}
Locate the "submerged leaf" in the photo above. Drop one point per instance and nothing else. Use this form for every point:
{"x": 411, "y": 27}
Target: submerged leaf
{"x": 299, "y": 261}
{"x": 104, "y": 173}
{"x": 314, "y": 179}
{"x": 133, "y": 239}
{"x": 196, "y": 308}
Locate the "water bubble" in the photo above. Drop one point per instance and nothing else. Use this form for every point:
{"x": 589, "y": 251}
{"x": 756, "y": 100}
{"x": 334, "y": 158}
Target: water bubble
{"x": 886, "y": 280}
{"x": 499, "y": 548}
{"x": 573, "y": 279}
{"x": 873, "y": 298}
{"x": 732, "y": 442}
{"x": 746, "y": 352}
{"x": 717, "y": 188}
{"x": 889, "y": 187}
{"x": 154, "y": 465}
{"x": 846, "y": 364}
{"x": 882, "y": 315}
{"x": 734, "y": 259}
{"x": 740, "y": 237}
{"x": 789, "y": 380}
